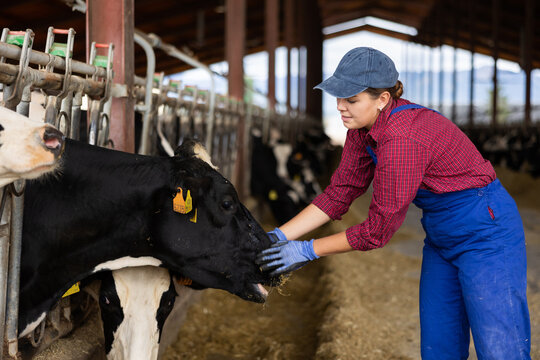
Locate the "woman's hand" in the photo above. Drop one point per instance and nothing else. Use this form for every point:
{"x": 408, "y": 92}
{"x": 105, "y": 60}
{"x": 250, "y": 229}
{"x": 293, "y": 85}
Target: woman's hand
{"x": 276, "y": 235}
{"x": 286, "y": 256}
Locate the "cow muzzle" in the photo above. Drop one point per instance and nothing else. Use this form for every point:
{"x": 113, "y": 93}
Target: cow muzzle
{"x": 53, "y": 140}
{"x": 256, "y": 293}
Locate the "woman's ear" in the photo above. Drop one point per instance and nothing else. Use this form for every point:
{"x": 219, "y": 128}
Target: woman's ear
{"x": 384, "y": 99}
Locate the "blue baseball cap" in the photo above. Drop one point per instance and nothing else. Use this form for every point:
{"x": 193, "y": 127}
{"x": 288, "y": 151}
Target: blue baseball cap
{"x": 359, "y": 69}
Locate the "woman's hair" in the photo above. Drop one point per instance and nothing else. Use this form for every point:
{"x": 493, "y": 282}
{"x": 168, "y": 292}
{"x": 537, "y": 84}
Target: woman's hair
{"x": 395, "y": 92}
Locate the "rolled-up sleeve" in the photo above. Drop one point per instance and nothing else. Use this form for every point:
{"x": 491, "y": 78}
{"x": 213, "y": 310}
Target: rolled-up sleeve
{"x": 351, "y": 178}
{"x": 400, "y": 169}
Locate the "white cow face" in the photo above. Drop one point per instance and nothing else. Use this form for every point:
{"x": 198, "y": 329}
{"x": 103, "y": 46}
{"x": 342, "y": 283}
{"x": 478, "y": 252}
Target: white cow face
{"x": 134, "y": 306}
{"x": 28, "y": 148}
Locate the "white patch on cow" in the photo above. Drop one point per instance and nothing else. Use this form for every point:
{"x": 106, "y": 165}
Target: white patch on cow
{"x": 30, "y": 327}
{"x": 127, "y": 261}
{"x": 282, "y": 153}
{"x": 140, "y": 291}
{"x": 294, "y": 196}
{"x": 309, "y": 178}
{"x": 201, "y": 153}
{"x": 23, "y": 154}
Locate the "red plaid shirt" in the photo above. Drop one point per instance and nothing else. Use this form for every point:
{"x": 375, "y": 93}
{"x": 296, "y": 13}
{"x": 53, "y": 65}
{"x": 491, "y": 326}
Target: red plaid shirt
{"x": 415, "y": 148}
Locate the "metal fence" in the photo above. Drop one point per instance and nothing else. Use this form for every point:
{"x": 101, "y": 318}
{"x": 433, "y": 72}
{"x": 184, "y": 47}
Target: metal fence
{"x": 170, "y": 112}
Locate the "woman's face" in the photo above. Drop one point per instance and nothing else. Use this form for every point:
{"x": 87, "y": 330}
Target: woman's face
{"x": 360, "y": 111}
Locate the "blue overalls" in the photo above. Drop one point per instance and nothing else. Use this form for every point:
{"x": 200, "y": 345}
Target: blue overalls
{"x": 474, "y": 274}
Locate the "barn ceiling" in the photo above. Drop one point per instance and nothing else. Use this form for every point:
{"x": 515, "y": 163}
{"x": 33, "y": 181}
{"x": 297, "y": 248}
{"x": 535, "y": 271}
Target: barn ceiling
{"x": 197, "y": 27}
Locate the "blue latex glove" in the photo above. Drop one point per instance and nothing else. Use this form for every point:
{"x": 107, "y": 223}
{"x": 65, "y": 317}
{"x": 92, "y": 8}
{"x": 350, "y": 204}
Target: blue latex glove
{"x": 276, "y": 235}
{"x": 286, "y": 256}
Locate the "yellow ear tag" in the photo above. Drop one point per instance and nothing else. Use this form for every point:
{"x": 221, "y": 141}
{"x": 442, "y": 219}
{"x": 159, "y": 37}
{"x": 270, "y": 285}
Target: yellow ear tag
{"x": 72, "y": 290}
{"x": 272, "y": 195}
{"x": 179, "y": 205}
{"x": 189, "y": 203}
{"x": 194, "y": 217}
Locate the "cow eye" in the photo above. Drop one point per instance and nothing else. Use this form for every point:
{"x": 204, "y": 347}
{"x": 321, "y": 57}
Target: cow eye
{"x": 1, "y": 128}
{"x": 227, "y": 203}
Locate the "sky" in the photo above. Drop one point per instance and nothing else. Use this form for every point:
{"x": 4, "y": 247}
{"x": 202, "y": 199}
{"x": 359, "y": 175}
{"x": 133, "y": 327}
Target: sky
{"x": 406, "y": 56}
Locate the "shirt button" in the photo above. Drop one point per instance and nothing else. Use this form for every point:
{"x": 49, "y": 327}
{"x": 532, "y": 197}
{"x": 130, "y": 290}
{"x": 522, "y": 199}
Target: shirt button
{"x": 480, "y": 192}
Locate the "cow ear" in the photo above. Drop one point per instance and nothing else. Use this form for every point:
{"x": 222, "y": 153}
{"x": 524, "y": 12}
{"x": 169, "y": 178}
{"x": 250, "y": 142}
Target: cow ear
{"x": 186, "y": 149}
{"x": 192, "y": 148}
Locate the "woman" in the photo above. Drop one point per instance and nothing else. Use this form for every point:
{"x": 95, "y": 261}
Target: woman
{"x": 474, "y": 262}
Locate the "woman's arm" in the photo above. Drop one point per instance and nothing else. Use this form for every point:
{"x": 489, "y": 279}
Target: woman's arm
{"x": 308, "y": 219}
{"x": 333, "y": 244}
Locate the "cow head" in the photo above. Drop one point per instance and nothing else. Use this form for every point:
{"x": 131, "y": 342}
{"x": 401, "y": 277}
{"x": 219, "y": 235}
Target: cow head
{"x": 134, "y": 304}
{"x": 217, "y": 238}
{"x": 28, "y": 148}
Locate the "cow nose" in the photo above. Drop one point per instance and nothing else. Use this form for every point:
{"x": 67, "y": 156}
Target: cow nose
{"x": 53, "y": 140}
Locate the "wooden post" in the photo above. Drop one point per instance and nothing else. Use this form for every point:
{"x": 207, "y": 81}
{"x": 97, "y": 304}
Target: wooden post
{"x": 289, "y": 43}
{"x": 113, "y": 22}
{"x": 300, "y": 44}
{"x": 235, "y": 47}
{"x": 441, "y": 58}
{"x": 472, "y": 29}
{"x": 271, "y": 40}
{"x": 430, "y": 78}
{"x": 313, "y": 39}
{"x": 527, "y": 58}
{"x": 454, "y": 72}
{"x": 495, "y": 32}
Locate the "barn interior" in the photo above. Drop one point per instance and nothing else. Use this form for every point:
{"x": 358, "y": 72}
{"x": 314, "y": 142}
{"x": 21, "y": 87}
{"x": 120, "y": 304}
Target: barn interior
{"x": 187, "y": 34}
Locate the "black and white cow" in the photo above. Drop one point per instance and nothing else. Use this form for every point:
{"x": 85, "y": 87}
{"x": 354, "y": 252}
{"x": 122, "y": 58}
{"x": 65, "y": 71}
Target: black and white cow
{"x": 28, "y": 148}
{"x": 135, "y": 302}
{"x": 106, "y": 210}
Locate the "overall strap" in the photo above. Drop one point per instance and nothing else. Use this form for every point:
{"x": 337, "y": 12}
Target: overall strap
{"x": 410, "y": 106}
{"x": 372, "y": 154}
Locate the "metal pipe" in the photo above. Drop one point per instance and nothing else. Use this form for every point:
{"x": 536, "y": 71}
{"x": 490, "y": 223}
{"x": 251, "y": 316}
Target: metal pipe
{"x": 150, "y": 69}
{"x": 174, "y": 52}
{"x": 15, "y": 248}
{"x": 17, "y": 206}
{"x": 51, "y": 81}
{"x": 4, "y": 257}
{"x": 40, "y": 58}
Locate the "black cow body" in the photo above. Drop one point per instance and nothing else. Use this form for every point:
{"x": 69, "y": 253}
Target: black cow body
{"x": 108, "y": 210}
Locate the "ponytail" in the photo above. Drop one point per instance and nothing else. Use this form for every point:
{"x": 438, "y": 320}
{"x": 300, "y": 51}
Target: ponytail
{"x": 395, "y": 92}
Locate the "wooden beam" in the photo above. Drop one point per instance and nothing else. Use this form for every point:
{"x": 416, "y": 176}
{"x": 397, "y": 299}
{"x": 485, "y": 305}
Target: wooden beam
{"x": 373, "y": 29}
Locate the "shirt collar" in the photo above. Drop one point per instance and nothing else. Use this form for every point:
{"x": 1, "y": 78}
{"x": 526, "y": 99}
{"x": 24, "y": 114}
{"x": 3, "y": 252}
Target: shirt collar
{"x": 380, "y": 124}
